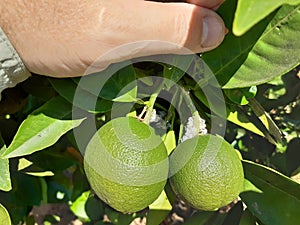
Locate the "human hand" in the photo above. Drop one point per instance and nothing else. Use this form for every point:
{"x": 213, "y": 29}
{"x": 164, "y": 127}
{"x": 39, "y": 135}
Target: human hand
{"x": 63, "y": 38}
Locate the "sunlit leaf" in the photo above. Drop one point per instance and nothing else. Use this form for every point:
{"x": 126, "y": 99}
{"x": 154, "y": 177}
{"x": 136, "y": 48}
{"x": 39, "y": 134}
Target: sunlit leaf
{"x": 250, "y": 12}
{"x": 5, "y": 182}
{"x": 276, "y": 52}
{"x": 265, "y": 118}
{"x": 78, "y": 206}
{"x": 29, "y": 168}
{"x": 161, "y": 203}
{"x": 170, "y": 141}
{"x": 225, "y": 60}
{"x": 239, "y": 119}
{"x": 159, "y": 209}
{"x": 42, "y": 128}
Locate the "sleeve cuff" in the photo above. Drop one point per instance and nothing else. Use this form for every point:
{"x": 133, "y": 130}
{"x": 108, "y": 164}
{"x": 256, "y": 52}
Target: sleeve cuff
{"x": 12, "y": 69}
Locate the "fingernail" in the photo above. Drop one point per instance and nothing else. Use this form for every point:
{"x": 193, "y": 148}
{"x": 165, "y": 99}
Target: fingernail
{"x": 212, "y": 32}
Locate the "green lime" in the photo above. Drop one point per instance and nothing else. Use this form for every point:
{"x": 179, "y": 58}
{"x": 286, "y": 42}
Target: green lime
{"x": 4, "y": 216}
{"x": 126, "y": 164}
{"x": 206, "y": 172}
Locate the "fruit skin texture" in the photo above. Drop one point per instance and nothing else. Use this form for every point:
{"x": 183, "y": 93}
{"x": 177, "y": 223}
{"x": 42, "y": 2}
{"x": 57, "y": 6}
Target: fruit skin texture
{"x": 126, "y": 164}
{"x": 208, "y": 172}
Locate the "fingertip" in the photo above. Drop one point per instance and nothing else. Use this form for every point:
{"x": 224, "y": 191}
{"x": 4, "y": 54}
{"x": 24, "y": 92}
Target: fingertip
{"x": 213, "y": 32}
{"x": 226, "y": 31}
{"x": 207, "y": 30}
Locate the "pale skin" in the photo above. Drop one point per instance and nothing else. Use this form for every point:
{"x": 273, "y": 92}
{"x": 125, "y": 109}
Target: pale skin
{"x": 63, "y": 38}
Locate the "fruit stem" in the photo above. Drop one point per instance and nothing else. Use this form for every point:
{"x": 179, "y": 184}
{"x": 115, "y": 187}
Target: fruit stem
{"x": 44, "y": 190}
{"x": 152, "y": 100}
{"x": 172, "y": 109}
{"x": 150, "y": 107}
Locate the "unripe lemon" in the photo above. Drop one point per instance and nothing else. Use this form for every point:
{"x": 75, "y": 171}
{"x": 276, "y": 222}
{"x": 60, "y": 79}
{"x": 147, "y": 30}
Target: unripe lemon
{"x": 207, "y": 172}
{"x": 126, "y": 164}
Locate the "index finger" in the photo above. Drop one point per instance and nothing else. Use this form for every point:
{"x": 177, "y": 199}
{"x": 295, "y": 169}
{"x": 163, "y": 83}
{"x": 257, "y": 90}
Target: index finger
{"x": 210, "y": 4}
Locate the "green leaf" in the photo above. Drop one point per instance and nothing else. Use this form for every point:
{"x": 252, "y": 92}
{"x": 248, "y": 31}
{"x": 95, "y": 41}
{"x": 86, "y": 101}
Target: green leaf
{"x": 42, "y": 128}
{"x": 59, "y": 157}
{"x": 94, "y": 208}
{"x": 248, "y": 186}
{"x": 170, "y": 141}
{"x": 78, "y": 206}
{"x": 258, "y": 122}
{"x": 239, "y": 118}
{"x": 225, "y": 63}
{"x": 293, "y": 155}
{"x": 59, "y": 188}
{"x": 267, "y": 121}
{"x": 80, "y": 184}
{"x": 170, "y": 193}
{"x": 234, "y": 215}
{"x": 112, "y": 84}
{"x": 199, "y": 218}
{"x": 122, "y": 86}
{"x": 205, "y": 218}
{"x": 214, "y": 100}
{"x": 277, "y": 198}
{"x": 241, "y": 95}
{"x": 275, "y": 53}
{"x": 84, "y": 100}
{"x": 101, "y": 223}
{"x": 16, "y": 210}
{"x": 247, "y": 218}
{"x": 250, "y": 12}
{"x": 159, "y": 209}
{"x": 173, "y": 72}
{"x": 4, "y": 216}
{"x": 29, "y": 168}
{"x": 39, "y": 87}
{"x": 155, "y": 216}
{"x": 26, "y": 192}
{"x": 5, "y": 182}
{"x": 161, "y": 203}
{"x": 118, "y": 218}
{"x": 87, "y": 207}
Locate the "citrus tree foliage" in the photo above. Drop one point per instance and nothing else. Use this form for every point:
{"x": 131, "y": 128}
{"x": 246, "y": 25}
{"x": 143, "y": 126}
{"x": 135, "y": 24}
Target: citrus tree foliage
{"x": 257, "y": 72}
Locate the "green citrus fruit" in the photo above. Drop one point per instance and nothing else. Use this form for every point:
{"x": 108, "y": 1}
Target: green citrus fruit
{"x": 206, "y": 172}
{"x": 126, "y": 164}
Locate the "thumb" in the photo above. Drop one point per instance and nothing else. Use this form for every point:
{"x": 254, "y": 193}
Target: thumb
{"x": 151, "y": 28}
{"x": 194, "y": 27}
